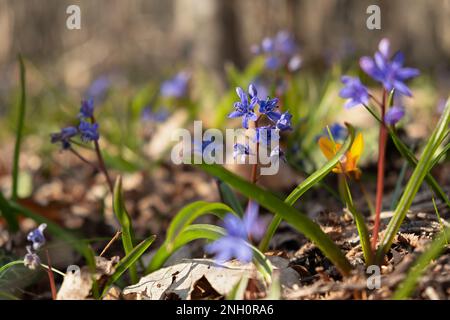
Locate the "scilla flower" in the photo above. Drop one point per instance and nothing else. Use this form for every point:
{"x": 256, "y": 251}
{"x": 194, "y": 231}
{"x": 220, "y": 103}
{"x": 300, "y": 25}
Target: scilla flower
{"x": 394, "y": 115}
{"x": 389, "y": 72}
{"x": 235, "y": 243}
{"x": 176, "y": 87}
{"x": 88, "y": 131}
{"x": 87, "y": 108}
{"x": 36, "y": 236}
{"x": 64, "y": 136}
{"x": 31, "y": 259}
{"x": 244, "y": 108}
{"x": 241, "y": 151}
{"x": 354, "y": 91}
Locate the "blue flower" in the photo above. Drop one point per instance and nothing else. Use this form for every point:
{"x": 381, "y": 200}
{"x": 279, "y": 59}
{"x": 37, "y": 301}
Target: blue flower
{"x": 160, "y": 115}
{"x": 235, "y": 242}
{"x": 240, "y": 150}
{"x": 176, "y": 87}
{"x": 244, "y": 108}
{"x": 354, "y": 91}
{"x": 394, "y": 115}
{"x": 89, "y": 131}
{"x": 264, "y": 135}
{"x": 36, "y": 236}
{"x": 87, "y": 108}
{"x": 284, "y": 123}
{"x": 64, "y": 136}
{"x": 31, "y": 259}
{"x": 98, "y": 88}
{"x": 280, "y": 51}
{"x": 337, "y": 130}
{"x": 268, "y": 108}
{"x": 390, "y": 73}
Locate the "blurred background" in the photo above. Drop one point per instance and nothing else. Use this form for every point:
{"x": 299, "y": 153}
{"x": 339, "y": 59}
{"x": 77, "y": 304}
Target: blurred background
{"x": 148, "y": 38}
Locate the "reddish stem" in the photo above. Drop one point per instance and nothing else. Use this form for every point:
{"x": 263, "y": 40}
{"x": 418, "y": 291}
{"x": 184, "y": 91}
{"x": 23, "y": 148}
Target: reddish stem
{"x": 380, "y": 174}
{"x": 51, "y": 278}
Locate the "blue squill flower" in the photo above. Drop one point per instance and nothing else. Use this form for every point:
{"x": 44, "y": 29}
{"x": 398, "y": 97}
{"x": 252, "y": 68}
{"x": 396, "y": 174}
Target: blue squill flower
{"x": 337, "y": 130}
{"x": 98, "y": 88}
{"x": 64, "y": 136}
{"x": 354, "y": 91}
{"x": 244, "y": 108}
{"x": 88, "y": 131}
{"x": 390, "y": 73}
{"x": 265, "y": 134}
{"x": 87, "y": 108}
{"x": 31, "y": 259}
{"x": 394, "y": 115}
{"x": 176, "y": 87}
{"x": 268, "y": 107}
{"x": 160, "y": 115}
{"x": 36, "y": 236}
{"x": 284, "y": 123}
{"x": 241, "y": 151}
{"x": 235, "y": 242}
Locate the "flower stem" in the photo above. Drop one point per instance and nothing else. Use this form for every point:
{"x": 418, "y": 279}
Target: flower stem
{"x": 380, "y": 174}
{"x": 101, "y": 162}
{"x": 51, "y": 277}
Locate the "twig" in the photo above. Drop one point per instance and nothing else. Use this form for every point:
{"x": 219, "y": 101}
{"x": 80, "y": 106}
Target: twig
{"x": 116, "y": 236}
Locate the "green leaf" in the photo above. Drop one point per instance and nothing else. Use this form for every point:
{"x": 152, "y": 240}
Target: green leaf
{"x": 406, "y": 288}
{"x": 409, "y": 156}
{"x": 127, "y": 262}
{"x": 230, "y": 198}
{"x": 9, "y": 265}
{"x": 8, "y": 213}
{"x": 209, "y": 232}
{"x": 19, "y": 132}
{"x": 415, "y": 181}
{"x": 307, "y": 184}
{"x": 125, "y": 223}
{"x": 299, "y": 221}
{"x": 191, "y": 212}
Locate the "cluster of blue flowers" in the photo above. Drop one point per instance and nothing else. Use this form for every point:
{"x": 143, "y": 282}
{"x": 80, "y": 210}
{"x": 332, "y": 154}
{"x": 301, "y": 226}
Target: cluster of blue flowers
{"x": 37, "y": 239}
{"x": 245, "y": 109}
{"x": 280, "y": 51}
{"x": 87, "y": 128}
{"x": 388, "y": 71}
{"x": 239, "y": 232}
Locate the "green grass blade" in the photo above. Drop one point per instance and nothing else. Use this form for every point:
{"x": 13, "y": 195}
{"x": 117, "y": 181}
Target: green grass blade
{"x": 9, "y": 265}
{"x": 414, "y": 183}
{"x": 128, "y": 261}
{"x": 191, "y": 212}
{"x": 359, "y": 219}
{"x": 209, "y": 232}
{"x": 409, "y": 156}
{"x": 309, "y": 182}
{"x": 125, "y": 223}
{"x": 299, "y": 221}
{"x": 8, "y": 214}
{"x": 230, "y": 198}
{"x": 19, "y": 129}
{"x": 406, "y": 288}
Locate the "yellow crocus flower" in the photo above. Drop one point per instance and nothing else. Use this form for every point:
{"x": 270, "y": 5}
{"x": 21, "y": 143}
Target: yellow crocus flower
{"x": 348, "y": 163}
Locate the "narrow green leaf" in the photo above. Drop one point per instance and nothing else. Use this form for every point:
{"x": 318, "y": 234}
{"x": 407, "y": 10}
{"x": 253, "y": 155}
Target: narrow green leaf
{"x": 19, "y": 129}
{"x": 299, "y": 221}
{"x": 414, "y": 183}
{"x": 9, "y": 265}
{"x": 191, "y": 212}
{"x": 125, "y": 223}
{"x": 230, "y": 198}
{"x": 307, "y": 184}
{"x": 406, "y": 288}
{"x": 128, "y": 261}
{"x": 8, "y": 214}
